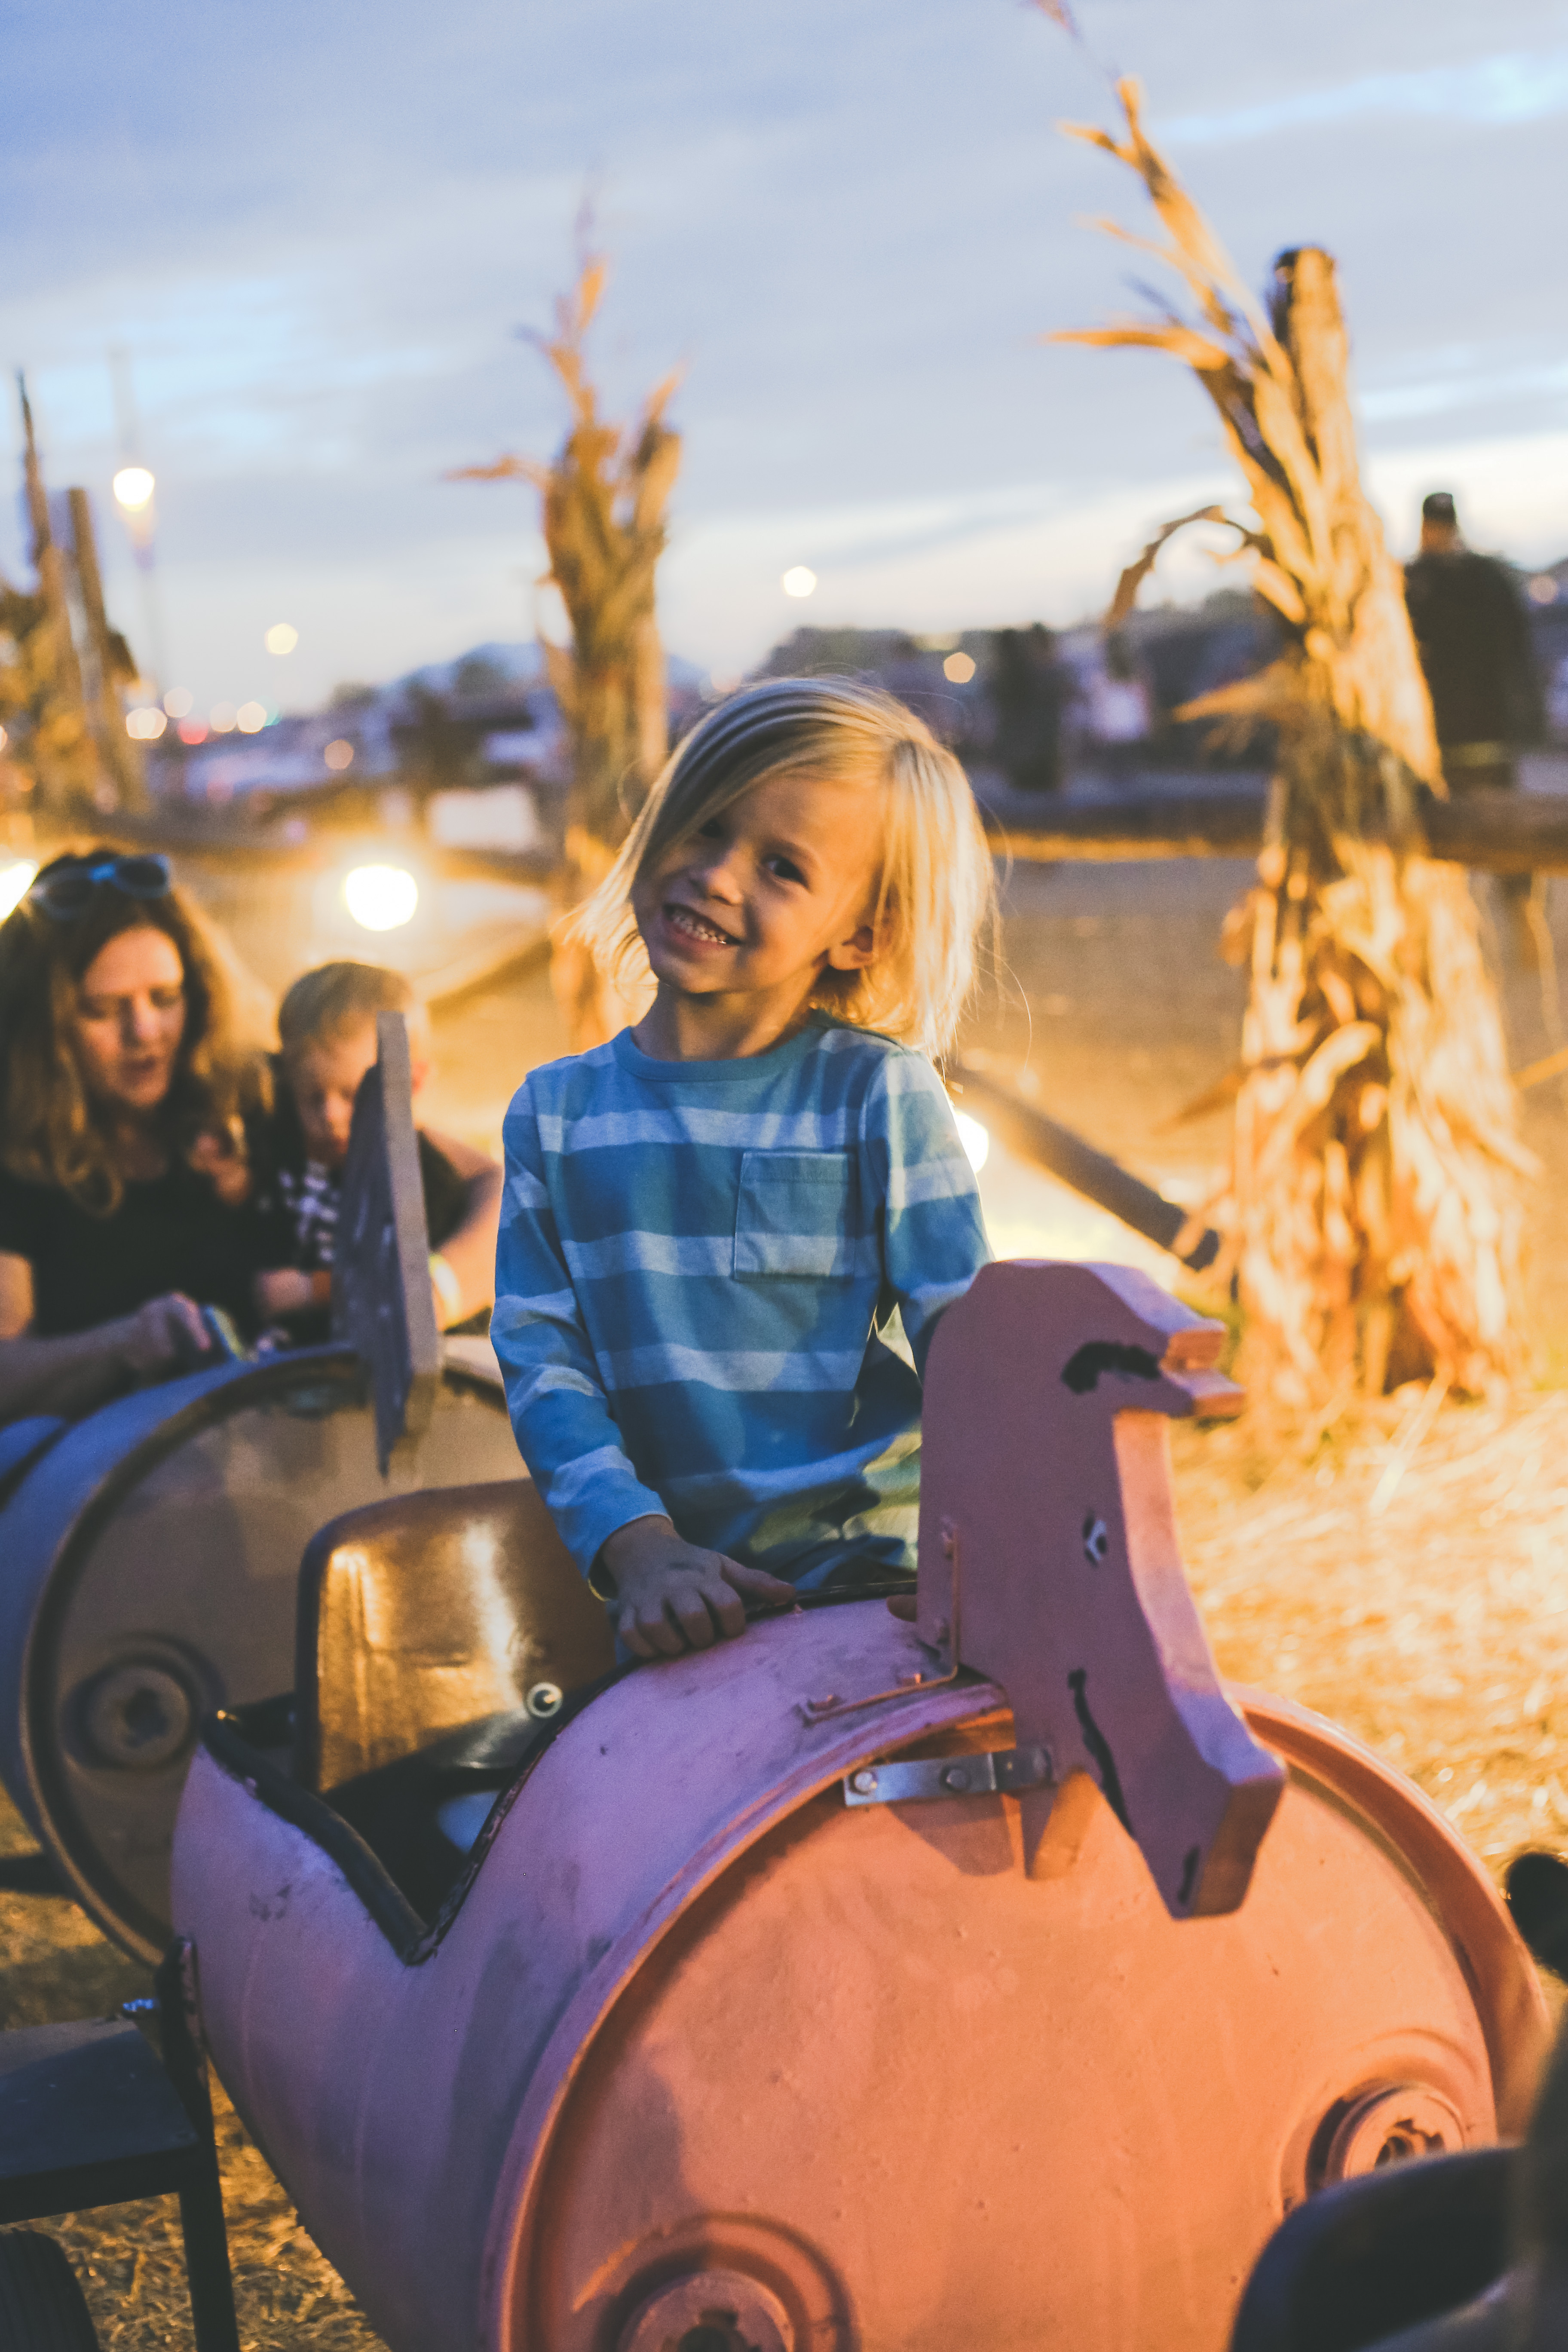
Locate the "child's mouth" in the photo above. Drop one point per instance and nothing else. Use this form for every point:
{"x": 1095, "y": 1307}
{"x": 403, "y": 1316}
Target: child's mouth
{"x": 696, "y": 927}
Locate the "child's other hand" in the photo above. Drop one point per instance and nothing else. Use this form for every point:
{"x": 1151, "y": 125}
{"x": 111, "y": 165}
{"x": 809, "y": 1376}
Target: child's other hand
{"x": 671, "y": 1595}
{"x": 217, "y": 1157}
{"x": 284, "y": 1291}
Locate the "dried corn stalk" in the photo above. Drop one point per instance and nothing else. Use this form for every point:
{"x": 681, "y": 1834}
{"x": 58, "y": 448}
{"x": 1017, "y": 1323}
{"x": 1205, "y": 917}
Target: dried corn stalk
{"x": 603, "y": 499}
{"x": 1375, "y": 1213}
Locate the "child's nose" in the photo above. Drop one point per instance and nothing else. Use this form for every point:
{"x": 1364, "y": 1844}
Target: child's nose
{"x": 717, "y": 871}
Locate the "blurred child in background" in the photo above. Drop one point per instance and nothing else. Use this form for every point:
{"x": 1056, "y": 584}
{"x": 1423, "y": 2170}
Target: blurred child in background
{"x": 326, "y": 1025}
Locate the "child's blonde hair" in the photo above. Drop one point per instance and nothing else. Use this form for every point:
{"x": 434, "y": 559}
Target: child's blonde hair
{"x": 937, "y": 891}
{"x": 338, "y": 997}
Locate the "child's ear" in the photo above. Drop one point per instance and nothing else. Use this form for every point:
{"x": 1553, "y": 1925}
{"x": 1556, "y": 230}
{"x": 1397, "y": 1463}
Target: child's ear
{"x": 856, "y": 952}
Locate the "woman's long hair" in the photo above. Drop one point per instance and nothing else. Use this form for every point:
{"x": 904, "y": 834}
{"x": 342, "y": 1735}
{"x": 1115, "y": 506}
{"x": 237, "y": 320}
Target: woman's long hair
{"x": 936, "y": 896}
{"x": 54, "y": 1132}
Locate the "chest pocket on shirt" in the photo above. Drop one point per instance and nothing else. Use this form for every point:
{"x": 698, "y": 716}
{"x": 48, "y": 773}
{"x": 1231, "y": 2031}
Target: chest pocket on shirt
{"x": 794, "y": 1214}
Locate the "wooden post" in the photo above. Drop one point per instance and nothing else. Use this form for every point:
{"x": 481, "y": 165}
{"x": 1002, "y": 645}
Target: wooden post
{"x": 122, "y": 757}
{"x": 64, "y": 753}
{"x": 1492, "y": 833}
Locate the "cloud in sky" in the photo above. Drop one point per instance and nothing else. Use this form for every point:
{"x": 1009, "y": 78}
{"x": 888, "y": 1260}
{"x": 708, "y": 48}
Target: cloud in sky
{"x": 316, "y": 231}
{"x": 1518, "y": 88}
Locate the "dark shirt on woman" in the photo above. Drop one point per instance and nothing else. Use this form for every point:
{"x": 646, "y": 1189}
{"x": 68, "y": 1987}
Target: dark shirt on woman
{"x": 171, "y": 1233}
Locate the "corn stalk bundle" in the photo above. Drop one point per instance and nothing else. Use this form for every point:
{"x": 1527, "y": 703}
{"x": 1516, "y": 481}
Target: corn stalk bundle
{"x": 603, "y": 501}
{"x": 1375, "y": 1210}
{"x": 51, "y": 753}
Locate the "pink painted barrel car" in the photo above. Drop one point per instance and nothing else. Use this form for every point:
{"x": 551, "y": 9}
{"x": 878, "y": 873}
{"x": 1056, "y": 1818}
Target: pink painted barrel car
{"x": 988, "y": 1976}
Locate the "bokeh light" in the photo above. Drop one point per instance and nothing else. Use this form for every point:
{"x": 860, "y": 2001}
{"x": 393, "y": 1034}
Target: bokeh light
{"x": 975, "y": 1140}
{"x": 1542, "y": 589}
{"x": 178, "y": 701}
{"x": 339, "y": 754}
{"x": 146, "y": 724}
{"x": 221, "y": 718}
{"x": 15, "y": 881}
{"x": 192, "y": 731}
{"x": 282, "y": 638}
{"x": 250, "y": 718}
{"x": 381, "y": 898}
{"x": 800, "y": 579}
{"x": 958, "y": 669}
{"x": 133, "y": 489}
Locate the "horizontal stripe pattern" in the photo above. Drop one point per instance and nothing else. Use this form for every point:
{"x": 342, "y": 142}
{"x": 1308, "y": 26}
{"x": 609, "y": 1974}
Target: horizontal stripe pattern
{"x": 715, "y": 1288}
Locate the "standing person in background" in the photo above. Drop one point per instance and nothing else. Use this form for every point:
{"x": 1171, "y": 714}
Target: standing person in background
{"x": 1120, "y": 714}
{"x": 1028, "y": 693}
{"x": 1475, "y": 649}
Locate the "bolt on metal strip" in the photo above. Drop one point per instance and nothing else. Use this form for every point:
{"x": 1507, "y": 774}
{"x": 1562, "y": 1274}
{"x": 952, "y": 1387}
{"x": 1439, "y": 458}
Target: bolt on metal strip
{"x": 997, "y": 1772}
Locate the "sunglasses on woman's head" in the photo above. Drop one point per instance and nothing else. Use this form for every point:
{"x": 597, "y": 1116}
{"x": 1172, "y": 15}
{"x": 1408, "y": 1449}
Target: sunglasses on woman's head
{"x": 65, "y": 888}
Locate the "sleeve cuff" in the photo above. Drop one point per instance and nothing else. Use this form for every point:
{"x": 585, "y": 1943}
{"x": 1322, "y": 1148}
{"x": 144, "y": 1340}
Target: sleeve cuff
{"x": 598, "y": 1518}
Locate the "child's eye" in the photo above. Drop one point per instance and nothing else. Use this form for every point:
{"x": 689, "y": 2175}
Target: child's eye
{"x": 787, "y": 869}
{"x": 166, "y": 999}
{"x": 713, "y": 830}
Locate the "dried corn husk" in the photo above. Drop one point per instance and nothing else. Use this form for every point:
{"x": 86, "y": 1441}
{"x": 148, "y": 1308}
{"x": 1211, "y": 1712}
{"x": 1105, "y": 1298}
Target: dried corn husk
{"x": 603, "y": 501}
{"x": 1375, "y": 1216}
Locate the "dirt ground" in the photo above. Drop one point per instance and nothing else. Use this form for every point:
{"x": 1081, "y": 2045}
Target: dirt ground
{"x": 1408, "y": 1580}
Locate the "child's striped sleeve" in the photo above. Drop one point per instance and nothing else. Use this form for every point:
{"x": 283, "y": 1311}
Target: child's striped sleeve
{"x": 934, "y": 1238}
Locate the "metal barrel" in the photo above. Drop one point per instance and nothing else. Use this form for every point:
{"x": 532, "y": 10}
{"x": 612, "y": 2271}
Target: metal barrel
{"x": 148, "y": 1568}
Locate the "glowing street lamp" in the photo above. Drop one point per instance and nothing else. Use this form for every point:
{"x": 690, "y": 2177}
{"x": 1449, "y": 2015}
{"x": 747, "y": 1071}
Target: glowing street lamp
{"x": 133, "y": 489}
{"x": 381, "y": 898}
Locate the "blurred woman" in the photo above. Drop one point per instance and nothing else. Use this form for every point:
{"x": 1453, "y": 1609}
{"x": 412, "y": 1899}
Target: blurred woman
{"x": 124, "y": 1085}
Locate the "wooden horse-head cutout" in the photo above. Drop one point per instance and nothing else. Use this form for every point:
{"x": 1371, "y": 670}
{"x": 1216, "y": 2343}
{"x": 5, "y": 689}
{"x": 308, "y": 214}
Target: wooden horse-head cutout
{"x": 1048, "y": 1515}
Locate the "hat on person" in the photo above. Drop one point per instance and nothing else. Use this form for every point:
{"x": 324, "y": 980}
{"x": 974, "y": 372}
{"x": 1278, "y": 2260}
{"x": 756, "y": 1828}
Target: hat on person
{"x": 1439, "y": 506}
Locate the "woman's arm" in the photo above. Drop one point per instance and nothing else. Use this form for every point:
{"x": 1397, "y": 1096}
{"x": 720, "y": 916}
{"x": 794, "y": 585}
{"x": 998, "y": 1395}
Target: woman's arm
{"x": 469, "y": 1251}
{"x": 73, "y": 1375}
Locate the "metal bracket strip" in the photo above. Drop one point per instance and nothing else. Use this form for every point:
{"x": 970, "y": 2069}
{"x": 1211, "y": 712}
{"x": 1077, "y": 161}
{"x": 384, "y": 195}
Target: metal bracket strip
{"x": 997, "y": 1772}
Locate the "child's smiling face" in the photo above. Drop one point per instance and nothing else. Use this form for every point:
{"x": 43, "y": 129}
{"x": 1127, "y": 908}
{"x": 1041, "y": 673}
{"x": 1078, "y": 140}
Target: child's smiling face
{"x": 767, "y": 894}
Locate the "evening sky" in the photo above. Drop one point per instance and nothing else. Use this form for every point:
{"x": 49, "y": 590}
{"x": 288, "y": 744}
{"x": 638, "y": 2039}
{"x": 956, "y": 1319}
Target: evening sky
{"x": 316, "y": 232}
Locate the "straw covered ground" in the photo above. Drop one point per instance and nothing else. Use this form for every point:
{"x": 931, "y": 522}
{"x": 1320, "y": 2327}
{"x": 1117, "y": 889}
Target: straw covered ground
{"x": 1401, "y": 1570}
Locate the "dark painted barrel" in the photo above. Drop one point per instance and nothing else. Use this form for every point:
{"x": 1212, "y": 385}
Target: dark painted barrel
{"x": 148, "y": 1569}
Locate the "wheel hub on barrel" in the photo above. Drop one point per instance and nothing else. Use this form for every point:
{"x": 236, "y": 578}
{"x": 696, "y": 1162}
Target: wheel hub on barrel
{"x": 716, "y": 2311}
{"x": 138, "y": 1715}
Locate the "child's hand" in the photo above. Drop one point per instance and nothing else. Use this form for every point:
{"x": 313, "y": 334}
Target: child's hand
{"x": 219, "y": 1160}
{"x": 285, "y": 1290}
{"x": 672, "y": 1596}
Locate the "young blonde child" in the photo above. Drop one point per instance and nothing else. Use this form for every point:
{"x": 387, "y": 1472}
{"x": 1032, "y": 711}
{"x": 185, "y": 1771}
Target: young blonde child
{"x": 727, "y": 1235}
{"x": 326, "y": 1025}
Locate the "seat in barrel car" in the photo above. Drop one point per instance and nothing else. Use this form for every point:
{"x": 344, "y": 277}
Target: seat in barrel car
{"x": 441, "y": 1637}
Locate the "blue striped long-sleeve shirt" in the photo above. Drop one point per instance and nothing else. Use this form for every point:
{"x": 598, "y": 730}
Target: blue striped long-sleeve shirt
{"x": 715, "y": 1288}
